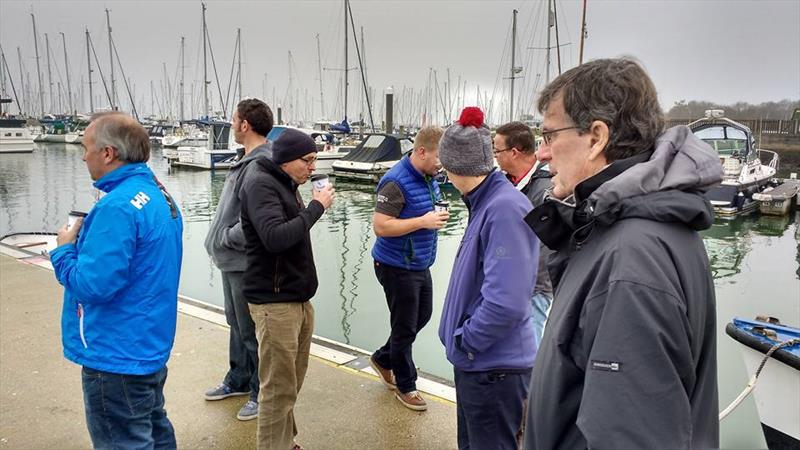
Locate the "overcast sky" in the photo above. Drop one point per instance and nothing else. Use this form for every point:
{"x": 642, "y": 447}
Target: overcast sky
{"x": 723, "y": 51}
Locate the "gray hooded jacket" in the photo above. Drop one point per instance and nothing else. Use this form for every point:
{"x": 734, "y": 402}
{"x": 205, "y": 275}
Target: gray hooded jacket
{"x": 629, "y": 359}
{"x": 225, "y": 241}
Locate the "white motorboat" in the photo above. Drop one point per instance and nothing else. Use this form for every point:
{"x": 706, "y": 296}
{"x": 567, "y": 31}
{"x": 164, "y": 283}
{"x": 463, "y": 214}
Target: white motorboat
{"x": 15, "y": 137}
{"x": 771, "y": 353}
{"x": 744, "y": 173}
{"x": 373, "y": 157}
{"x": 327, "y": 150}
{"x": 212, "y": 154}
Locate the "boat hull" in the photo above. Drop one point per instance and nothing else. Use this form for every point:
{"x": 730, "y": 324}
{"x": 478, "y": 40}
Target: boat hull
{"x": 778, "y": 389}
{"x": 202, "y": 158}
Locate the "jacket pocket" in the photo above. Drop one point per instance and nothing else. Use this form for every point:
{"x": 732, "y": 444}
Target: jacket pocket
{"x": 81, "y": 314}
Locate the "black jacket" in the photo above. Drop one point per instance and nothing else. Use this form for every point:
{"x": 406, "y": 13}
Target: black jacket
{"x": 629, "y": 357}
{"x": 280, "y": 263}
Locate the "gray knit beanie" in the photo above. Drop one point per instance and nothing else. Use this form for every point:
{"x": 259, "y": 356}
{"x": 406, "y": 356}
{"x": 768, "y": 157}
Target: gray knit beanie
{"x": 466, "y": 146}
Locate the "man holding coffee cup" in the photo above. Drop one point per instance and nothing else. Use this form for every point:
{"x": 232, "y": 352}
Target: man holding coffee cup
{"x": 280, "y": 277}
{"x": 405, "y": 221}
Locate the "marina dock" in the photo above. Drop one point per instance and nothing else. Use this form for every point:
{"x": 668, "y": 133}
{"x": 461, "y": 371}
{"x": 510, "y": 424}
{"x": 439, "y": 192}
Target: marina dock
{"x": 41, "y": 403}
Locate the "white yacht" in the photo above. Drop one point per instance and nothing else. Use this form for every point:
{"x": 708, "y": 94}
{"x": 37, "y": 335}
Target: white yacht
{"x": 744, "y": 172}
{"x": 15, "y": 137}
{"x": 327, "y": 150}
{"x": 214, "y": 152}
{"x": 373, "y": 157}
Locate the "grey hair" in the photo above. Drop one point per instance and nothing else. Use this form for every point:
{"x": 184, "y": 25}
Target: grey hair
{"x": 123, "y": 133}
{"x": 617, "y": 92}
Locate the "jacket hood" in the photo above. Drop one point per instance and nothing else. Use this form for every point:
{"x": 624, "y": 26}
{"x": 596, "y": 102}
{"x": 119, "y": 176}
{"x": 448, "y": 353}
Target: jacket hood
{"x": 668, "y": 187}
{"x": 264, "y": 151}
{"x": 275, "y": 170}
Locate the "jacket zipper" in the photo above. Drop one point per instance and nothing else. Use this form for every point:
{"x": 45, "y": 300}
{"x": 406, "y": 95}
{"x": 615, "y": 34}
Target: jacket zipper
{"x": 275, "y": 286}
{"x": 81, "y": 314}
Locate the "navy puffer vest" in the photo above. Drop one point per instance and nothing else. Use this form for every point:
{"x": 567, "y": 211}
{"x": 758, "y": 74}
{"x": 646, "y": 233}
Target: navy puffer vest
{"x": 416, "y": 250}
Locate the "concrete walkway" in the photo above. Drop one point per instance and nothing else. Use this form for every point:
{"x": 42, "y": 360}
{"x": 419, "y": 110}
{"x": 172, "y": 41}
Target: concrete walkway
{"x": 41, "y": 404}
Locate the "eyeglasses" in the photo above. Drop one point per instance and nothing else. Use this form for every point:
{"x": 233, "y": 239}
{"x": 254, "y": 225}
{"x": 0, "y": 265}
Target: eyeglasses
{"x": 309, "y": 161}
{"x": 548, "y": 136}
{"x": 496, "y": 151}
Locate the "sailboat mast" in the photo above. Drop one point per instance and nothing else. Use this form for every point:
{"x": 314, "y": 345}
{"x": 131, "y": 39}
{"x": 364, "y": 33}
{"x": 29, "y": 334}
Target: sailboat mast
{"x": 89, "y": 61}
{"x": 205, "y": 65}
{"x": 549, "y": 25}
{"x": 26, "y": 97}
{"x": 513, "y": 55}
{"x": 38, "y": 67}
{"x": 558, "y": 43}
{"x": 111, "y": 59}
{"x": 49, "y": 74}
{"x": 66, "y": 69}
{"x": 182, "y": 73}
{"x": 346, "y": 4}
{"x": 583, "y": 33}
{"x": 239, "y": 75}
{"x": 319, "y": 67}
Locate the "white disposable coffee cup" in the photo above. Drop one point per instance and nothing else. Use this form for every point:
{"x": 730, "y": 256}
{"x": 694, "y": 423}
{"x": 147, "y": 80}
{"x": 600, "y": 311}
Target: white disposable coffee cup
{"x": 73, "y": 217}
{"x": 320, "y": 181}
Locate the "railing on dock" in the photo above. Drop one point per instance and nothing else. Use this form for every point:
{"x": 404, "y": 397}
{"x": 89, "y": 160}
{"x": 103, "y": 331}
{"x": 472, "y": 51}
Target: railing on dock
{"x": 757, "y": 126}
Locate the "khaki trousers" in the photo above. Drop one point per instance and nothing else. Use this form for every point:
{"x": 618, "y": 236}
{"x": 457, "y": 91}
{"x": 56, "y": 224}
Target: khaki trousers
{"x": 284, "y": 334}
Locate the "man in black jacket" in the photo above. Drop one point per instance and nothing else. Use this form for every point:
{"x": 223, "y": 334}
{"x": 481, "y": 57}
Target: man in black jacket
{"x": 629, "y": 357}
{"x": 280, "y": 277}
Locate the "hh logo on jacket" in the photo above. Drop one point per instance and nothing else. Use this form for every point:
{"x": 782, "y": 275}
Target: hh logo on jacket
{"x": 140, "y": 200}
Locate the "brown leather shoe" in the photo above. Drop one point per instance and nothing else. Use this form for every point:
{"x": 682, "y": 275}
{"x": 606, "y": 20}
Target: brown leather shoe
{"x": 412, "y": 400}
{"x": 386, "y": 376}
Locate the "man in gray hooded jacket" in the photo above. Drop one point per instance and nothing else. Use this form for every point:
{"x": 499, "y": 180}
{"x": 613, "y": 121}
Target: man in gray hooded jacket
{"x": 225, "y": 243}
{"x": 628, "y": 358}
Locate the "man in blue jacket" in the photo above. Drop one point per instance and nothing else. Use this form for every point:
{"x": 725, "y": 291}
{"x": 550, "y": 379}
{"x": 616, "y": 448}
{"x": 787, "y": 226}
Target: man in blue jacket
{"x": 406, "y": 223}
{"x": 120, "y": 268}
{"x": 486, "y": 324}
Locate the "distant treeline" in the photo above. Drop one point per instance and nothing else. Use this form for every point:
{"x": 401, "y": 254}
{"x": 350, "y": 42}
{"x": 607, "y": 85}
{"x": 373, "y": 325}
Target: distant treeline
{"x": 738, "y": 111}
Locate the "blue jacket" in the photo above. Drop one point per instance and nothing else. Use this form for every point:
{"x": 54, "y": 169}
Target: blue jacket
{"x": 486, "y": 322}
{"x": 121, "y": 277}
{"x": 416, "y": 250}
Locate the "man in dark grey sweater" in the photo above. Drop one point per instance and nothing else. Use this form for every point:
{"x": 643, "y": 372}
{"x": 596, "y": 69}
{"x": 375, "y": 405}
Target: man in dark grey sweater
{"x": 225, "y": 243}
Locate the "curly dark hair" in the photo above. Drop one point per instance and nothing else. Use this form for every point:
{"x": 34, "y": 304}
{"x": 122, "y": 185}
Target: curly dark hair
{"x": 617, "y": 92}
{"x": 257, "y": 114}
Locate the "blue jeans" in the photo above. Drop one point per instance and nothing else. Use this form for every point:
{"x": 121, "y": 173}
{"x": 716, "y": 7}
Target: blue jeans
{"x": 490, "y": 407}
{"x": 127, "y": 411}
{"x": 541, "y": 306}
{"x": 242, "y": 345}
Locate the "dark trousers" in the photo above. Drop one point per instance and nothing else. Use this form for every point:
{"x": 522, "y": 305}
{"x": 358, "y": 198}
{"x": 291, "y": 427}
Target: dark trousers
{"x": 242, "y": 346}
{"x": 409, "y": 295}
{"x": 126, "y": 411}
{"x": 490, "y": 408}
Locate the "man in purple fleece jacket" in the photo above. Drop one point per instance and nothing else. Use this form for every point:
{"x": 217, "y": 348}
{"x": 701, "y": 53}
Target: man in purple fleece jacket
{"x": 486, "y": 324}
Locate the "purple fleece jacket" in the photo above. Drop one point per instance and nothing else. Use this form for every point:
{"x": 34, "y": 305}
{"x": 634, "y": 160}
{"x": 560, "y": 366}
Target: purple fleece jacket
{"x": 486, "y": 323}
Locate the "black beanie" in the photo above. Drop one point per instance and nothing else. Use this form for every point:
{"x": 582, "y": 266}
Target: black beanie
{"x": 292, "y": 144}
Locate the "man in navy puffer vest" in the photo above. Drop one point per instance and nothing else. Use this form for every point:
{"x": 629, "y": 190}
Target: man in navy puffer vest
{"x": 406, "y": 223}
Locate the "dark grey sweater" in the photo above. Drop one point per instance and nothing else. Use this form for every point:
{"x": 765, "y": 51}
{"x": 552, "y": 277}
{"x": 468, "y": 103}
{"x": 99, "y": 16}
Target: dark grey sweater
{"x": 225, "y": 241}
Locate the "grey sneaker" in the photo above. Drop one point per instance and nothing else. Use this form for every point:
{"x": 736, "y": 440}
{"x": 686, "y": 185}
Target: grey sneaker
{"x": 223, "y": 391}
{"x": 249, "y": 411}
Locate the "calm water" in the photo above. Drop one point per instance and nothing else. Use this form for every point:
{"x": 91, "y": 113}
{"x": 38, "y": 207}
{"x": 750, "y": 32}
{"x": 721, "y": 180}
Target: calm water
{"x": 756, "y": 261}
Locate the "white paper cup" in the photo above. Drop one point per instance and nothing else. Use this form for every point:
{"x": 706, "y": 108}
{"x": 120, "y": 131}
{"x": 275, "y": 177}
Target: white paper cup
{"x": 320, "y": 181}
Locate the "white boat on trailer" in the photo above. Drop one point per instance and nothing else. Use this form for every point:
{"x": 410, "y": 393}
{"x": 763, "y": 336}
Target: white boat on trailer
{"x": 744, "y": 173}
